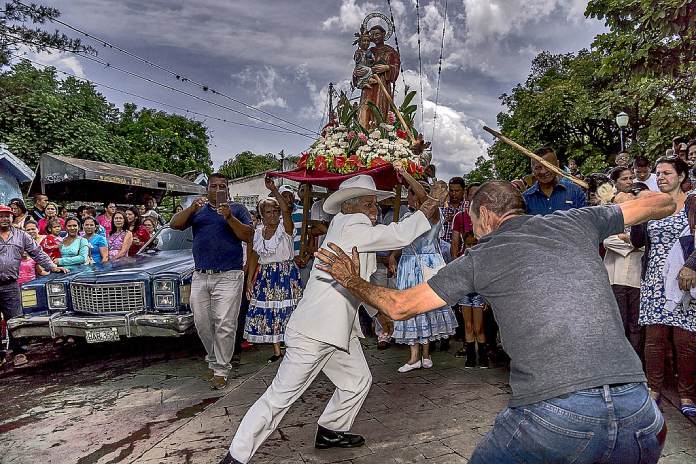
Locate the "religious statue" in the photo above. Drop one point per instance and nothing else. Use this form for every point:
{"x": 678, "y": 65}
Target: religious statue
{"x": 385, "y": 70}
{"x": 364, "y": 60}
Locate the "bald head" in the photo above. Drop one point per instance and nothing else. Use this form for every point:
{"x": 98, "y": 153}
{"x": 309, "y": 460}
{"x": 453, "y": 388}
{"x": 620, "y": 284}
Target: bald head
{"x": 494, "y": 203}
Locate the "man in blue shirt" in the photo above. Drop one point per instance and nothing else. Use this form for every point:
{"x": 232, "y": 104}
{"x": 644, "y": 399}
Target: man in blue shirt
{"x": 218, "y": 279}
{"x": 551, "y": 192}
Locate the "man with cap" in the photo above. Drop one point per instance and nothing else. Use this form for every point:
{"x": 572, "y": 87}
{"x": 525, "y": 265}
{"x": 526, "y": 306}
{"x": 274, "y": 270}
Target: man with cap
{"x": 14, "y": 242}
{"x": 322, "y": 334}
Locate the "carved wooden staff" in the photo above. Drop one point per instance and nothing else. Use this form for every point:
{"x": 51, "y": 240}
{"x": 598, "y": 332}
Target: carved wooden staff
{"x": 396, "y": 109}
{"x": 534, "y": 156}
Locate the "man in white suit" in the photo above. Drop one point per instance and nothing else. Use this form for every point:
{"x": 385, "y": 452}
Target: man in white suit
{"x": 322, "y": 334}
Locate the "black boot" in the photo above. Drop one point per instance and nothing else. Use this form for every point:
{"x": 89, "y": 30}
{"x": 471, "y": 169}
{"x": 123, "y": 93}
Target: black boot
{"x": 470, "y": 355}
{"x": 228, "y": 459}
{"x": 483, "y": 356}
{"x": 329, "y": 439}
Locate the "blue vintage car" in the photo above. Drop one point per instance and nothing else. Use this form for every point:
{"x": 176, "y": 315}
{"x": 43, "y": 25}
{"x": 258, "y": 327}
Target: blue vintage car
{"x": 141, "y": 296}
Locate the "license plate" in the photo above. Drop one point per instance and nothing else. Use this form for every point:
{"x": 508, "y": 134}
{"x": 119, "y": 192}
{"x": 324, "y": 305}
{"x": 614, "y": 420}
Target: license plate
{"x": 102, "y": 335}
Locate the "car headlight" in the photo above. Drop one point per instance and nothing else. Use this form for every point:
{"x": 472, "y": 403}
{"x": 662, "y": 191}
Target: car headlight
{"x": 164, "y": 301}
{"x": 55, "y": 289}
{"x": 56, "y": 302}
{"x": 56, "y": 295}
{"x": 164, "y": 286}
{"x": 29, "y": 298}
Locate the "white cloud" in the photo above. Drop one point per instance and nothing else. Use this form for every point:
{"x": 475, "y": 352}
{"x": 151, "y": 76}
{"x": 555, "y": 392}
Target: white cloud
{"x": 60, "y": 60}
{"x": 350, "y": 16}
{"x": 266, "y": 82}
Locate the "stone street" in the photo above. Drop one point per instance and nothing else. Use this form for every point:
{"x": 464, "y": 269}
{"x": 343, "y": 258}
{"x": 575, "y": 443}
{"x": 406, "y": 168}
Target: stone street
{"x": 145, "y": 401}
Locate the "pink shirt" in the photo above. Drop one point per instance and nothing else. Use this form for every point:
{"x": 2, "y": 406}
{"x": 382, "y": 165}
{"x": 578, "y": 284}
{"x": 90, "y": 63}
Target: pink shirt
{"x": 105, "y": 223}
{"x": 27, "y": 270}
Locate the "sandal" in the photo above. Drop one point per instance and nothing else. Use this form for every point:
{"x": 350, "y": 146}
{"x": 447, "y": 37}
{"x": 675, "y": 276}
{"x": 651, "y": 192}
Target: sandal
{"x": 274, "y": 358}
{"x": 20, "y": 360}
{"x": 688, "y": 409}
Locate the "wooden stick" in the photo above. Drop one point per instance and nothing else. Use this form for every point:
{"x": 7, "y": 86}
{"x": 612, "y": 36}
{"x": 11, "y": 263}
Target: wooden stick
{"x": 396, "y": 110}
{"x": 534, "y": 156}
{"x": 306, "y": 210}
{"x": 397, "y": 204}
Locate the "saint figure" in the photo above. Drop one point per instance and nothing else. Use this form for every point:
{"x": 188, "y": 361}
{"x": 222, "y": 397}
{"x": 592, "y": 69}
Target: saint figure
{"x": 386, "y": 67}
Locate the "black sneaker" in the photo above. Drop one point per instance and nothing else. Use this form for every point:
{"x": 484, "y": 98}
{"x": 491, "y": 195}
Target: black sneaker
{"x": 483, "y": 356}
{"x": 470, "y": 355}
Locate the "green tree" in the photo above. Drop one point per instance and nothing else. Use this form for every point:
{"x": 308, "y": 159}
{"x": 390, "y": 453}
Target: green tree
{"x": 42, "y": 114}
{"x": 19, "y": 27}
{"x": 247, "y": 163}
{"x": 164, "y": 142}
{"x": 647, "y": 37}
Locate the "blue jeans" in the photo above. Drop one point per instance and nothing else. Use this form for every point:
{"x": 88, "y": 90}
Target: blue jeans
{"x": 619, "y": 424}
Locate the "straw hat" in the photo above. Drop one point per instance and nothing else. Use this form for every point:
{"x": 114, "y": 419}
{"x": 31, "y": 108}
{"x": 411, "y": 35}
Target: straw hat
{"x": 354, "y": 187}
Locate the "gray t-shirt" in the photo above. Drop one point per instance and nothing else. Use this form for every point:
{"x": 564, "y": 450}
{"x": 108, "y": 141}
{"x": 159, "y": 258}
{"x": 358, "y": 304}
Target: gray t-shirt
{"x": 550, "y": 293}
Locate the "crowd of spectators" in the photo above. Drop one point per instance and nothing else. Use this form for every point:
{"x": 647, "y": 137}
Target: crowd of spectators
{"x": 261, "y": 251}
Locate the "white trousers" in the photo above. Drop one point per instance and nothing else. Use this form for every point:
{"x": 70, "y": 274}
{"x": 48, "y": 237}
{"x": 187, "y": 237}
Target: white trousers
{"x": 215, "y": 300}
{"x": 304, "y": 359}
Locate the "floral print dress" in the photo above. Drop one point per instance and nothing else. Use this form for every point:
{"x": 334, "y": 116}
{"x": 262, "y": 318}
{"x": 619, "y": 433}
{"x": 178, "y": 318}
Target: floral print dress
{"x": 662, "y": 234}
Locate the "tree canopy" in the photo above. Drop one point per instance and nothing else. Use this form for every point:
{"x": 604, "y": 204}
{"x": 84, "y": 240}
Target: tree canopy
{"x": 20, "y": 27}
{"x": 39, "y": 113}
{"x": 247, "y": 163}
{"x": 570, "y": 101}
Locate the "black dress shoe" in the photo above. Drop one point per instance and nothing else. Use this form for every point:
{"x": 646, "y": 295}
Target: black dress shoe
{"x": 329, "y": 439}
{"x": 228, "y": 459}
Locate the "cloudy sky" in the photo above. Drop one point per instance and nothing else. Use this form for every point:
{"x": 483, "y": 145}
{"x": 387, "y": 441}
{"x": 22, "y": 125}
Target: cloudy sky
{"x": 280, "y": 56}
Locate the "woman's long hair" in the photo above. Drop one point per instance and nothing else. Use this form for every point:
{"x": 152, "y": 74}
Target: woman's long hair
{"x": 138, "y": 221}
{"x": 126, "y": 226}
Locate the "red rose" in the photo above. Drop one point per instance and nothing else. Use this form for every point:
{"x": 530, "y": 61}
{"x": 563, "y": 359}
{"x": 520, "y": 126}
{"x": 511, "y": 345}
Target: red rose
{"x": 340, "y": 162}
{"x": 411, "y": 167}
{"x": 402, "y": 134}
{"x": 302, "y": 163}
{"x": 353, "y": 160}
{"x": 377, "y": 162}
{"x": 320, "y": 163}
{"x": 420, "y": 170}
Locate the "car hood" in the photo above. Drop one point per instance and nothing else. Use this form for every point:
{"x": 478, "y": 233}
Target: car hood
{"x": 144, "y": 265}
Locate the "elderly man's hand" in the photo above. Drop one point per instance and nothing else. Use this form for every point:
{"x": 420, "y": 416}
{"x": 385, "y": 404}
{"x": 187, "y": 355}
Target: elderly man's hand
{"x": 338, "y": 264}
{"x": 687, "y": 279}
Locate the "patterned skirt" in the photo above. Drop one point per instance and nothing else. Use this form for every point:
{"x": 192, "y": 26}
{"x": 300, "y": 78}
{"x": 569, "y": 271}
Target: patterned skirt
{"x": 433, "y": 325}
{"x": 276, "y": 292}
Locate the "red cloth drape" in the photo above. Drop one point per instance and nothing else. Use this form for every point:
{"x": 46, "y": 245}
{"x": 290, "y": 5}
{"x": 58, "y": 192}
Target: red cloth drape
{"x": 384, "y": 176}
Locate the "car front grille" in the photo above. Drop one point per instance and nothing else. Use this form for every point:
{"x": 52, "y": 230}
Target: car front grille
{"x": 104, "y": 298}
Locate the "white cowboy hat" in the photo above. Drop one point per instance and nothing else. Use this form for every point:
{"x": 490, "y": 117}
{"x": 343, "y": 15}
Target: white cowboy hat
{"x": 357, "y": 186}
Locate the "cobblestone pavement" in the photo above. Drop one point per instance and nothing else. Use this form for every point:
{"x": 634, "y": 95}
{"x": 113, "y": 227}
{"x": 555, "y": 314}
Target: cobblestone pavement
{"x": 147, "y": 402}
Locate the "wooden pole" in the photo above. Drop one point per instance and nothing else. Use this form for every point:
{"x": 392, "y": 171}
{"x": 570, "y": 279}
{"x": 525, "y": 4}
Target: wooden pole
{"x": 306, "y": 210}
{"x": 397, "y": 203}
{"x": 396, "y": 110}
{"x": 534, "y": 156}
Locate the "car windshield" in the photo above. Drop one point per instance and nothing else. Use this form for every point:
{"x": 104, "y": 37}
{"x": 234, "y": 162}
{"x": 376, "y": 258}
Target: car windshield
{"x": 167, "y": 239}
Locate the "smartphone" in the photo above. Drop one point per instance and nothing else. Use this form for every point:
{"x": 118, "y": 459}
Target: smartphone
{"x": 221, "y": 197}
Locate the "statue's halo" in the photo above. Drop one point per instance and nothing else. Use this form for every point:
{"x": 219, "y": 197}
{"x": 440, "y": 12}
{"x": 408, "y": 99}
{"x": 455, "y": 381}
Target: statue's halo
{"x": 383, "y": 17}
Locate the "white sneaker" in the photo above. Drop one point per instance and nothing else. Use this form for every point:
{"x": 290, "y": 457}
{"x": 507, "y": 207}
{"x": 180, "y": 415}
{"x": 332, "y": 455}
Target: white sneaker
{"x": 427, "y": 363}
{"x": 410, "y": 367}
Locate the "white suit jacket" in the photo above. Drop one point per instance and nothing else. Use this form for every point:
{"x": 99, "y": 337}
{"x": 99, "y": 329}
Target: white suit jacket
{"x": 327, "y": 311}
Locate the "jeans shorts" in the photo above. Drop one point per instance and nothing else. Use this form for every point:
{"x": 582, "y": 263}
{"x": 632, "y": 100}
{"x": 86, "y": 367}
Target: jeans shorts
{"x": 473, "y": 300}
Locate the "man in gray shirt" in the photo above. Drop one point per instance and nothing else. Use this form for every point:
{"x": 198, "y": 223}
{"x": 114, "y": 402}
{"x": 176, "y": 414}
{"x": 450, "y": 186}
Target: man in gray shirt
{"x": 13, "y": 242}
{"x": 578, "y": 389}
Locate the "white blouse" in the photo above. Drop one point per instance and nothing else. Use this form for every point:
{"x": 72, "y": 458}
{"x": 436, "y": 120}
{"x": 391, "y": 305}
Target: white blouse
{"x": 276, "y": 249}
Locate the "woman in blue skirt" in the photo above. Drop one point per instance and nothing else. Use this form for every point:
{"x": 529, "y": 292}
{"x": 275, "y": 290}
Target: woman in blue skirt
{"x": 418, "y": 263}
{"x": 273, "y": 287}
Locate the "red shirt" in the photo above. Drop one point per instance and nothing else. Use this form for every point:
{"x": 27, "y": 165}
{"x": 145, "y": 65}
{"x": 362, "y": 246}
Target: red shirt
{"x": 141, "y": 234}
{"x": 44, "y": 222}
{"x": 462, "y": 223}
{"x": 51, "y": 246}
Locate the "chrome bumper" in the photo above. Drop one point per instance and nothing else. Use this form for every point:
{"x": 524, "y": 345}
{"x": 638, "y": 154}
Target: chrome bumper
{"x": 134, "y": 324}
